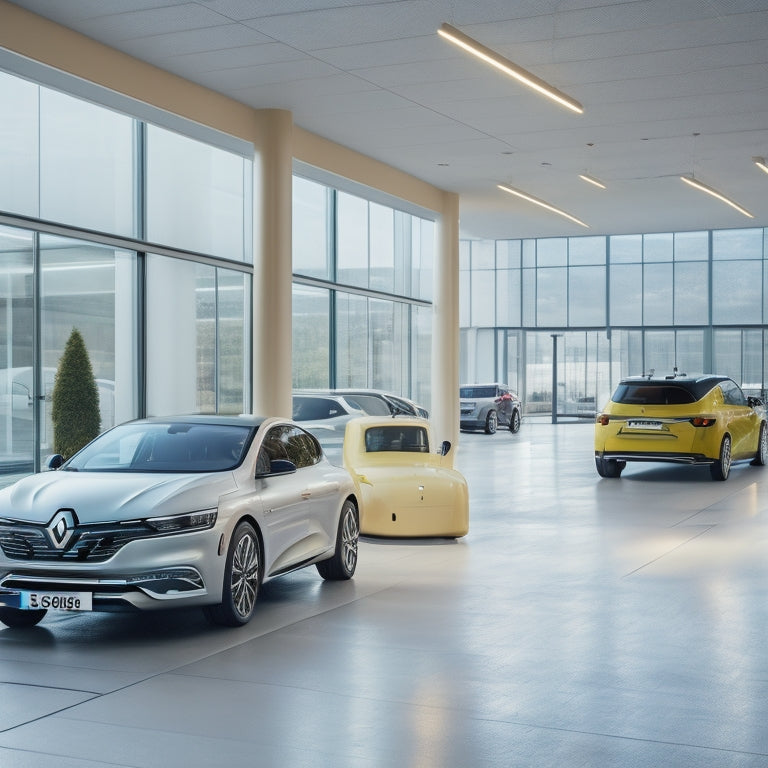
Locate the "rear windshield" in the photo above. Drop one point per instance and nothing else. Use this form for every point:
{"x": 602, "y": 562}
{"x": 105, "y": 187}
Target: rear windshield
{"x": 396, "y": 438}
{"x": 652, "y": 394}
{"x": 477, "y": 392}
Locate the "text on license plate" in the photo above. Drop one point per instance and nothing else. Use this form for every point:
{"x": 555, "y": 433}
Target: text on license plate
{"x": 642, "y": 424}
{"x": 60, "y": 601}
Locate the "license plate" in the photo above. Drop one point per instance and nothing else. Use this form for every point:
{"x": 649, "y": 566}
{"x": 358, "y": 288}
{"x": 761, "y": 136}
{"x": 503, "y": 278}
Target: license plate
{"x": 639, "y": 424}
{"x": 57, "y": 601}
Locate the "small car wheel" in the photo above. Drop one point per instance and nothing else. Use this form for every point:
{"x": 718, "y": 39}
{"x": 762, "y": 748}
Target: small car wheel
{"x": 722, "y": 467}
{"x": 761, "y": 457}
{"x": 242, "y": 577}
{"x": 609, "y": 467}
{"x": 491, "y": 422}
{"x": 344, "y": 561}
{"x": 15, "y": 617}
{"x": 514, "y": 422}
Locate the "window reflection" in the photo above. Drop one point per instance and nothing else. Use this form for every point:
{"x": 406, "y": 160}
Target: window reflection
{"x": 195, "y": 195}
{"x": 655, "y": 282}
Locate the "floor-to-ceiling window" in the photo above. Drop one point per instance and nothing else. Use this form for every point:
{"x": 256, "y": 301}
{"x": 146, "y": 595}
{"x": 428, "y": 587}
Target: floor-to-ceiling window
{"x": 610, "y": 306}
{"x": 138, "y": 236}
{"x": 362, "y": 292}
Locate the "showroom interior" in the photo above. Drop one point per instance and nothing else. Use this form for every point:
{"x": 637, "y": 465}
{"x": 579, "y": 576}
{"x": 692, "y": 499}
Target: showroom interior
{"x": 231, "y": 199}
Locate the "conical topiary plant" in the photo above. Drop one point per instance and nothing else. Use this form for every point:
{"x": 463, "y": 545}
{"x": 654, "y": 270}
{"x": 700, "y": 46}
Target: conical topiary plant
{"x": 75, "y": 409}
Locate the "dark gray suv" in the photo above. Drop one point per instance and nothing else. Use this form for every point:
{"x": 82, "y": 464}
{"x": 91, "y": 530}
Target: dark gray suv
{"x": 485, "y": 406}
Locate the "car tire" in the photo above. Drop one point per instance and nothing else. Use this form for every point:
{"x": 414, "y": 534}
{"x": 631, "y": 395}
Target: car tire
{"x": 761, "y": 457}
{"x": 609, "y": 467}
{"x": 242, "y": 578}
{"x": 491, "y": 423}
{"x": 722, "y": 467}
{"x": 514, "y": 421}
{"x": 15, "y": 617}
{"x": 344, "y": 561}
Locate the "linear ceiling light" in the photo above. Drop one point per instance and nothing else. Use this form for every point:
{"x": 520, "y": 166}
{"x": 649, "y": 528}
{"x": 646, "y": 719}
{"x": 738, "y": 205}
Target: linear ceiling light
{"x": 505, "y": 65}
{"x": 760, "y": 163}
{"x": 542, "y": 203}
{"x": 592, "y": 180}
{"x": 719, "y": 195}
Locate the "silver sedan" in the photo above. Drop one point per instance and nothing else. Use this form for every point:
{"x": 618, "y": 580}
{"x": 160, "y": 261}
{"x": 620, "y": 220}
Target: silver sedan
{"x": 188, "y": 511}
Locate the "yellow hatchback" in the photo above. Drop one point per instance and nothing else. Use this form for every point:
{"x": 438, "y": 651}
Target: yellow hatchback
{"x": 681, "y": 419}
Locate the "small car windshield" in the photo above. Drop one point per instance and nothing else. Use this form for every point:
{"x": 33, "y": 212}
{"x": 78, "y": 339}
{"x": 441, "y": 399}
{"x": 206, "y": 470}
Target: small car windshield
{"x": 164, "y": 447}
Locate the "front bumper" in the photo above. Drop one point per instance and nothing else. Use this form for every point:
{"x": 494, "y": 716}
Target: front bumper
{"x": 181, "y": 569}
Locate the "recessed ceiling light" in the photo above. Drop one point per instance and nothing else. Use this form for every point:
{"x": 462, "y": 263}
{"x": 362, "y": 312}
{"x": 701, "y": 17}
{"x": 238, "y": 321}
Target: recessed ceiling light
{"x": 760, "y": 163}
{"x": 498, "y": 61}
{"x": 541, "y": 203}
{"x": 592, "y": 180}
{"x": 714, "y": 193}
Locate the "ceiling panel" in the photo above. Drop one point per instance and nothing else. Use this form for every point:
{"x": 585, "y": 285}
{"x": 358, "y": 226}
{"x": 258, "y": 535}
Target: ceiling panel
{"x": 667, "y": 87}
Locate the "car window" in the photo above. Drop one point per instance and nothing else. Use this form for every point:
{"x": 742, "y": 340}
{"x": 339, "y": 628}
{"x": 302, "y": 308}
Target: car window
{"x": 316, "y": 408}
{"x": 289, "y": 443}
{"x": 732, "y": 393}
{"x": 478, "y": 392}
{"x": 652, "y": 394}
{"x": 397, "y": 438}
{"x": 165, "y": 447}
{"x": 401, "y": 406}
{"x": 372, "y": 405}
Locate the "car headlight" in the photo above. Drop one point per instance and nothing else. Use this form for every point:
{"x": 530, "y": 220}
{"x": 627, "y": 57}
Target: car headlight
{"x": 193, "y": 521}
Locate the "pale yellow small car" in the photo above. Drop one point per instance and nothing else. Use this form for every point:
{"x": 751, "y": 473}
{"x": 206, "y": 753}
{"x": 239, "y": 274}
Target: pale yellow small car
{"x": 407, "y": 486}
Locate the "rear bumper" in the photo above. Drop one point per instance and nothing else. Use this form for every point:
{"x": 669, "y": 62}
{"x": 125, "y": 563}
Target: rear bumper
{"x": 673, "y": 458}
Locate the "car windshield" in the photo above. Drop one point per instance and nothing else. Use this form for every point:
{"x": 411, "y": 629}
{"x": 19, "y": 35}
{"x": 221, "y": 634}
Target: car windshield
{"x": 165, "y": 447}
{"x": 648, "y": 393}
{"x": 478, "y": 392}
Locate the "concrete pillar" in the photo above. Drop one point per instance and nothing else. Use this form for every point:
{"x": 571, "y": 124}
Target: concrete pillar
{"x": 444, "y": 412}
{"x": 272, "y": 319}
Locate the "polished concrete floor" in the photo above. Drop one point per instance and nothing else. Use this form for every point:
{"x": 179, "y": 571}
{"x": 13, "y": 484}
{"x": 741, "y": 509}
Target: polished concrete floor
{"x": 582, "y": 622}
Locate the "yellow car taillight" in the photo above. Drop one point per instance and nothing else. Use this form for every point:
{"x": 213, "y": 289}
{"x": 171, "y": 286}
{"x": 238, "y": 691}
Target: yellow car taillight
{"x": 702, "y": 421}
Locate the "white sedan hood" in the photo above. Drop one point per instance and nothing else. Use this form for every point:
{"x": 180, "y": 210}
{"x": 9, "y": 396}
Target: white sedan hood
{"x": 99, "y": 497}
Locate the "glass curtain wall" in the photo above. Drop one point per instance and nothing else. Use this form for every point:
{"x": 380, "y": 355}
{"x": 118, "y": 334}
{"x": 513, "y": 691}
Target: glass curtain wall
{"x": 94, "y": 186}
{"x": 362, "y": 313}
{"x": 17, "y": 354}
{"x": 618, "y": 305}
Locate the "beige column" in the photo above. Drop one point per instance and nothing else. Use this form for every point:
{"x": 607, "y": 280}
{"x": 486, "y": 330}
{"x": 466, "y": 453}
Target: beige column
{"x": 272, "y": 320}
{"x": 444, "y": 412}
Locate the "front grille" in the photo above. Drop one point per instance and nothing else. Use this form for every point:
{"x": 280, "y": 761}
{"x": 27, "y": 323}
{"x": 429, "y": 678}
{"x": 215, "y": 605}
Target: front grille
{"x": 88, "y": 543}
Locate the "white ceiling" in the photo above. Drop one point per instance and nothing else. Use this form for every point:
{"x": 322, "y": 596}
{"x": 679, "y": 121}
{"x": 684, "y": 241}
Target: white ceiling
{"x": 668, "y": 87}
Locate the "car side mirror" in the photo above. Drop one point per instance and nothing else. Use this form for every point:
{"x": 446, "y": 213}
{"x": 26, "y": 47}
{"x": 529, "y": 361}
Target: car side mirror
{"x": 754, "y": 402}
{"x": 55, "y": 461}
{"x": 445, "y": 447}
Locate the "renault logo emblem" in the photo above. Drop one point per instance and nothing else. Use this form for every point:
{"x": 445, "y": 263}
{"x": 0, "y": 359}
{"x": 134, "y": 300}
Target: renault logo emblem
{"x": 61, "y": 527}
